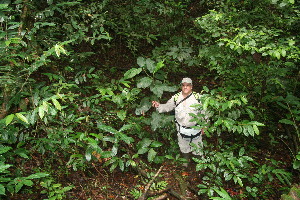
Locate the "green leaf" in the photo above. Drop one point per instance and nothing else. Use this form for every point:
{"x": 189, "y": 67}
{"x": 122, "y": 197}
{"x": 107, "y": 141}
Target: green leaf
{"x": 159, "y": 66}
{"x": 144, "y": 82}
{"x": 4, "y": 149}
{"x": 205, "y": 104}
{"x": 150, "y": 65}
{"x": 121, "y": 114}
{"x": 277, "y": 54}
{"x": 27, "y": 182}
{"x": 132, "y": 72}
{"x": 141, "y": 61}
{"x": 18, "y": 187}
{"x": 125, "y": 138}
{"x": 286, "y": 121}
{"x": 22, "y": 117}
{"x": 223, "y": 194}
{"x": 256, "y": 130}
{"x": 108, "y": 129}
{"x": 41, "y": 112}
{"x": 4, "y": 167}
{"x": 37, "y": 175}
{"x": 9, "y": 119}
{"x": 151, "y": 155}
{"x": 56, "y": 104}
{"x": 156, "y": 144}
{"x": 2, "y": 190}
{"x": 242, "y": 151}
{"x": 250, "y": 130}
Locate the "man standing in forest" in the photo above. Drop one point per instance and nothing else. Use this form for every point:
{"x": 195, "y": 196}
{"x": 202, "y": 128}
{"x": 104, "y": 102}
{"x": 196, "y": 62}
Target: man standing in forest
{"x": 182, "y": 104}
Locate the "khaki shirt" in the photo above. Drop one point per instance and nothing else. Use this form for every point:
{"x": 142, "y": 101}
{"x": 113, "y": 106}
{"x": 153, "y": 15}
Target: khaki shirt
{"x": 182, "y": 110}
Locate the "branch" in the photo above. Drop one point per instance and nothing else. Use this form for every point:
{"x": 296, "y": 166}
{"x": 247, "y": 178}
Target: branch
{"x": 144, "y": 196}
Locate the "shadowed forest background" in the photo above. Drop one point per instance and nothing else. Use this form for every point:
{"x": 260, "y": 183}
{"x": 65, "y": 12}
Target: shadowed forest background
{"x": 77, "y": 79}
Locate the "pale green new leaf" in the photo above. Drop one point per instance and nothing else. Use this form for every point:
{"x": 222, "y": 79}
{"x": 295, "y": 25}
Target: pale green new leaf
{"x": 22, "y": 117}
{"x": 256, "y": 130}
{"x": 41, "y": 112}
{"x": 159, "y": 66}
{"x": 9, "y": 119}
{"x": 56, "y": 104}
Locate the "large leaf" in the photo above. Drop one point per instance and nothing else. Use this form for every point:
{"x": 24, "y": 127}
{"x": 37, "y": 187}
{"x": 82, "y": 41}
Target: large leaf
{"x": 22, "y": 117}
{"x": 144, "y": 106}
{"x": 151, "y": 155}
{"x": 9, "y": 119}
{"x": 2, "y": 190}
{"x": 4, "y": 149}
{"x": 132, "y": 72}
{"x": 144, "y": 82}
{"x": 108, "y": 129}
{"x": 150, "y": 65}
{"x": 37, "y": 175}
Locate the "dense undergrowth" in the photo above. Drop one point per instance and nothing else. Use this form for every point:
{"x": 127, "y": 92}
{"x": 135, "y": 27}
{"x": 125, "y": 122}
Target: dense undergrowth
{"x": 77, "y": 79}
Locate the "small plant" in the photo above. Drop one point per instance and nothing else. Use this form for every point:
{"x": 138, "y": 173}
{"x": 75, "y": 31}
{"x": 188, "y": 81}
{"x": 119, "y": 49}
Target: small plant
{"x": 54, "y": 191}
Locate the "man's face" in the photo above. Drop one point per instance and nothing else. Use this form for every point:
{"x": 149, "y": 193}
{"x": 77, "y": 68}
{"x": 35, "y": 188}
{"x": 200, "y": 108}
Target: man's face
{"x": 186, "y": 88}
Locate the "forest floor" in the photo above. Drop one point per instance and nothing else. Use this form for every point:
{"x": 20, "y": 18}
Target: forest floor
{"x": 97, "y": 182}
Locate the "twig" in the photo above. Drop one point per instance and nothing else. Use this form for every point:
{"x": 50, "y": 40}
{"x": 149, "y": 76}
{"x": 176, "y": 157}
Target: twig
{"x": 149, "y": 184}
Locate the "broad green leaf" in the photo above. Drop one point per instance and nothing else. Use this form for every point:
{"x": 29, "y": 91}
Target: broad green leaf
{"x": 22, "y": 117}
{"x": 242, "y": 151}
{"x": 244, "y": 100}
{"x": 4, "y": 167}
{"x": 125, "y": 127}
{"x": 121, "y": 165}
{"x": 18, "y": 187}
{"x": 108, "y": 129}
{"x": 151, "y": 155}
{"x": 121, "y": 114}
{"x": 2, "y": 190}
{"x": 141, "y": 61}
{"x": 286, "y": 121}
{"x": 256, "y": 123}
{"x": 132, "y": 72}
{"x": 56, "y": 104}
{"x": 277, "y": 54}
{"x": 125, "y": 138}
{"x": 27, "y": 182}
{"x": 144, "y": 82}
{"x": 156, "y": 144}
{"x": 205, "y": 104}
{"x": 250, "y": 130}
{"x": 144, "y": 143}
{"x": 256, "y": 130}
{"x": 37, "y": 175}
{"x": 9, "y": 119}
{"x": 159, "y": 65}
{"x": 4, "y": 149}
{"x": 150, "y": 65}
{"x": 41, "y": 112}
{"x": 143, "y": 150}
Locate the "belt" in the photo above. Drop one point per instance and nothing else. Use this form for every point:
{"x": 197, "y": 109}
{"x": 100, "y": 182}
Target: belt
{"x": 190, "y": 136}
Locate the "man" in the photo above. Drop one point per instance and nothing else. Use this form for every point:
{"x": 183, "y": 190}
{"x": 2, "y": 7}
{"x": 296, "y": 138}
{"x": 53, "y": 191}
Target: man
{"x": 182, "y": 104}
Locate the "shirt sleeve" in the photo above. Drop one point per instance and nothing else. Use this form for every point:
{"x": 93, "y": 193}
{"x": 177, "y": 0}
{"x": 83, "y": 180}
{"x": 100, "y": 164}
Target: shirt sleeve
{"x": 167, "y": 107}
